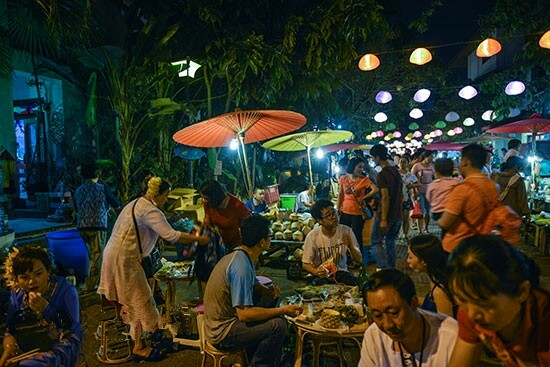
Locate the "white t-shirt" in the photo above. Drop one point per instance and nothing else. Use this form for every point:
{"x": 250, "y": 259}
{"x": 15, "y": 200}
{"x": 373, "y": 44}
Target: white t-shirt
{"x": 318, "y": 248}
{"x": 377, "y": 349}
{"x": 302, "y": 198}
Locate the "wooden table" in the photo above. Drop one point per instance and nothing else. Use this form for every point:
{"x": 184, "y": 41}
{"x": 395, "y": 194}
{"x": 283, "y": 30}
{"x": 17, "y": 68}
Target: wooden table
{"x": 170, "y": 280}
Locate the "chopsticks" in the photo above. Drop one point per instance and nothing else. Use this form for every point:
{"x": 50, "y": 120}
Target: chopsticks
{"x": 23, "y": 356}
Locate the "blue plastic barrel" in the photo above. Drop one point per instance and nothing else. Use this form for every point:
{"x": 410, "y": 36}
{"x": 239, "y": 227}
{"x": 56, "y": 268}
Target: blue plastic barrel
{"x": 70, "y": 253}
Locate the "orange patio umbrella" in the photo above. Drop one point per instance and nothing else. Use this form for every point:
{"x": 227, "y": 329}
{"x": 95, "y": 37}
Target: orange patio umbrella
{"x": 247, "y": 126}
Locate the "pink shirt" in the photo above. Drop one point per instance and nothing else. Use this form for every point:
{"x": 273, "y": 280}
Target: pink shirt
{"x": 438, "y": 191}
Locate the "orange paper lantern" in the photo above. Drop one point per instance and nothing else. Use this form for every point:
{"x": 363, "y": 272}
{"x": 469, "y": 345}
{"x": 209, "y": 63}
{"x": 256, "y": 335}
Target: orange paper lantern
{"x": 488, "y": 48}
{"x": 544, "y": 41}
{"x": 369, "y": 62}
{"x": 420, "y": 56}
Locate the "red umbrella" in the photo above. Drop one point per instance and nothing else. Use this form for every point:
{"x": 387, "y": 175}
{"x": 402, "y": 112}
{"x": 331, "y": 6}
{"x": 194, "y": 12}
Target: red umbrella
{"x": 247, "y": 126}
{"x": 443, "y": 145}
{"x": 535, "y": 125}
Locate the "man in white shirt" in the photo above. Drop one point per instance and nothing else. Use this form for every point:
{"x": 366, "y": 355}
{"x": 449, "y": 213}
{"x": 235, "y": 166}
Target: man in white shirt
{"x": 329, "y": 241}
{"x": 304, "y": 201}
{"x": 402, "y": 334}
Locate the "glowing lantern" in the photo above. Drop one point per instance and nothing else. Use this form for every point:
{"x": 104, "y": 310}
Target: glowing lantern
{"x": 397, "y": 134}
{"x": 458, "y": 130}
{"x": 420, "y": 56}
{"x": 468, "y": 92}
{"x": 488, "y": 48}
{"x": 422, "y": 95}
{"x": 438, "y": 132}
{"x": 379, "y": 133}
{"x": 468, "y": 121}
{"x": 432, "y": 134}
{"x": 414, "y": 126}
{"x": 452, "y": 116}
{"x": 383, "y": 97}
{"x": 451, "y": 133}
{"x": 514, "y": 88}
{"x": 488, "y": 115}
{"x": 380, "y": 117}
{"x": 369, "y": 62}
{"x": 427, "y": 136}
{"x": 440, "y": 124}
{"x": 391, "y": 126}
{"x": 544, "y": 41}
{"x": 416, "y": 113}
{"x": 387, "y": 137}
{"x": 417, "y": 134}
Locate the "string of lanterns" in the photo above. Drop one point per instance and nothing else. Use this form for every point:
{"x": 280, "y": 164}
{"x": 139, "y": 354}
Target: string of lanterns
{"x": 421, "y": 56}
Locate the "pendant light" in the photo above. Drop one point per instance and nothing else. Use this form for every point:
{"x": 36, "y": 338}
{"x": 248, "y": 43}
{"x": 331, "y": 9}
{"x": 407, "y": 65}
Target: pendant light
{"x": 369, "y": 62}
{"x": 488, "y": 48}
{"x": 544, "y": 41}
{"x": 420, "y": 56}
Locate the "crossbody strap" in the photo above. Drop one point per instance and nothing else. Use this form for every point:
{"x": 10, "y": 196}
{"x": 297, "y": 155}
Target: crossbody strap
{"x": 136, "y": 227}
{"x": 511, "y": 181}
{"x": 486, "y": 203}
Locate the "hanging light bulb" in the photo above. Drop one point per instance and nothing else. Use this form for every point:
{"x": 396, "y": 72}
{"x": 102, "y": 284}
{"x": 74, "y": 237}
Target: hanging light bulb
{"x": 440, "y": 124}
{"x": 416, "y": 113}
{"x": 468, "y": 92}
{"x": 420, "y": 56}
{"x": 380, "y": 117}
{"x": 514, "y": 88}
{"x": 438, "y": 132}
{"x": 383, "y": 97}
{"x": 369, "y": 62}
{"x": 488, "y": 48}
{"x": 452, "y": 116}
{"x": 234, "y": 145}
{"x": 379, "y": 133}
{"x": 458, "y": 130}
{"x": 319, "y": 154}
{"x": 417, "y": 134}
{"x": 397, "y": 134}
{"x": 414, "y": 126}
{"x": 514, "y": 112}
{"x": 427, "y": 136}
{"x": 468, "y": 121}
{"x": 391, "y": 126}
{"x": 451, "y": 133}
{"x": 544, "y": 41}
{"x": 422, "y": 95}
{"x": 488, "y": 115}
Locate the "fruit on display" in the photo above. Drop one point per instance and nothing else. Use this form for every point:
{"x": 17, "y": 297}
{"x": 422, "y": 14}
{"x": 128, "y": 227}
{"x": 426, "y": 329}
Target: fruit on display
{"x": 541, "y": 219}
{"x": 278, "y": 235}
{"x": 349, "y": 314}
{"x": 295, "y": 229}
{"x": 287, "y": 235}
{"x": 330, "y": 319}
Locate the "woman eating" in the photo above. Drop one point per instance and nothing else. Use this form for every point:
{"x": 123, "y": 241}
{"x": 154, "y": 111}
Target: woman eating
{"x": 43, "y": 312}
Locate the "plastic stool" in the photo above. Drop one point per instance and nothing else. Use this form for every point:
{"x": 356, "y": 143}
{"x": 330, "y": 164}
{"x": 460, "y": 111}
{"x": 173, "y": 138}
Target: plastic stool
{"x": 114, "y": 344}
{"x": 218, "y": 355}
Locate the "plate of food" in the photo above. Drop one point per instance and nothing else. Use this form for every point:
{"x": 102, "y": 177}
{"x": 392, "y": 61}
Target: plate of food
{"x": 340, "y": 326}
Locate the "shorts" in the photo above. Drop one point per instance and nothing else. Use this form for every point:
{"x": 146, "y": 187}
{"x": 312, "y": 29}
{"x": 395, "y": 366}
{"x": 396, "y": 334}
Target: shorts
{"x": 424, "y": 203}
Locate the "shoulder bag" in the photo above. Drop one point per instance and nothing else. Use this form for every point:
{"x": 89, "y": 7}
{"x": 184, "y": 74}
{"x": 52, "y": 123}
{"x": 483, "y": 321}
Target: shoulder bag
{"x": 150, "y": 264}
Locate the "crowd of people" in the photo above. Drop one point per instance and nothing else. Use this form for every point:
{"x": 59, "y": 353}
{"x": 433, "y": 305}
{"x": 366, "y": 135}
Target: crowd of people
{"x": 484, "y": 293}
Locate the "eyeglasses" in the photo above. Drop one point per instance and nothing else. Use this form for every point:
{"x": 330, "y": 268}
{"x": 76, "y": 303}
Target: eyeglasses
{"x": 330, "y": 215}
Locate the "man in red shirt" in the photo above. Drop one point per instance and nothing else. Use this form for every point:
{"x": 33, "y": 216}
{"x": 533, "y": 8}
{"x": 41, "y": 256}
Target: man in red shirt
{"x": 465, "y": 209}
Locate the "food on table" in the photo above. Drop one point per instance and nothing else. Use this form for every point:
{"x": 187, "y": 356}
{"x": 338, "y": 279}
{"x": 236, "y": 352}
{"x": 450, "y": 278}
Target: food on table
{"x": 330, "y": 319}
{"x": 348, "y": 314}
{"x": 293, "y": 217}
{"x": 297, "y": 236}
{"x": 279, "y": 235}
{"x": 277, "y": 227}
{"x": 287, "y": 235}
{"x": 286, "y": 225}
{"x": 330, "y": 266}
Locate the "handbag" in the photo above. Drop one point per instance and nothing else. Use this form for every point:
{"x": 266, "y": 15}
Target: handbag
{"x": 151, "y": 263}
{"x": 416, "y": 211}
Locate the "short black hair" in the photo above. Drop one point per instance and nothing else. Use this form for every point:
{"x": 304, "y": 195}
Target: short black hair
{"x": 379, "y": 151}
{"x": 514, "y": 144}
{"x": 476, "y": 154}
{"x": 89, "y": 170}
{"x": 253, "y": 229}
{"x": 23, "y": 262}
{"x": 444, "y": 166}
{"x": 318, "y": 206}
{"x": 512, "y": 162}
{"x": 256, "y": 189}
{"x": 394, "y": 278}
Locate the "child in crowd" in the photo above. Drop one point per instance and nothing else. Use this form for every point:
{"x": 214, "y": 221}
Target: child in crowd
{"x": 439, "y": 189}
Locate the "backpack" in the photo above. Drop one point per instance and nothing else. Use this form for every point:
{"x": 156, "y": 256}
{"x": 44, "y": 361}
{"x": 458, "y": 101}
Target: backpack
{"x": 501, "y": 220}
{"x": 206, "y": 257}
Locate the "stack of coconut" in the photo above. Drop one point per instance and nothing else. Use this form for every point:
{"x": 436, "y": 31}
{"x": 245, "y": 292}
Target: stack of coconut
{"x": 295, "y": 229}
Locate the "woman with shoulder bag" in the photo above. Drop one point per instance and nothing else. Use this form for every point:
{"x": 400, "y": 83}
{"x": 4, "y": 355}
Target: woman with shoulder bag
{"x": 123, "y": 277}
{"x": 355, "y": 189}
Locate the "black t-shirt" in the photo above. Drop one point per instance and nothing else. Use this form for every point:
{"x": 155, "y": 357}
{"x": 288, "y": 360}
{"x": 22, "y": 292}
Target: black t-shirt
{"x": 390, "y": 178}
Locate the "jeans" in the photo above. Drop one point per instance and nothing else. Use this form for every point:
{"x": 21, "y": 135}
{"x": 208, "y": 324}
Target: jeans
{"x": 356, "y": 223}
{"x": 385, "y": 240}
{"x": 263, "y": 340}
